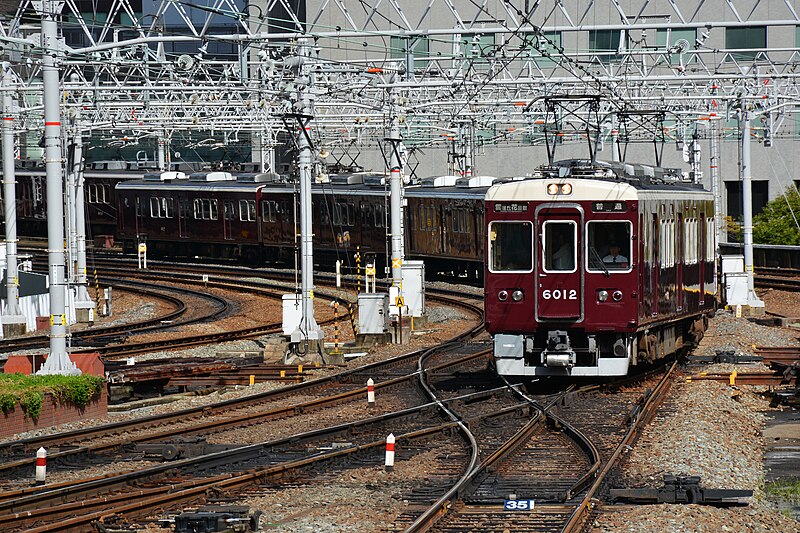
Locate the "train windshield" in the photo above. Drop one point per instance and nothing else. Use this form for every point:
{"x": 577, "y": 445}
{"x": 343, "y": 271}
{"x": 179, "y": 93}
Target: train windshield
{"x": 510, "y": 247}
{"x": 609, "y": 246}
{"x": 559, "y": 246}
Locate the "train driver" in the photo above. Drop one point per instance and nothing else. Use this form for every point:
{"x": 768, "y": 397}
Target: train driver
{"x": 614, "y": 256}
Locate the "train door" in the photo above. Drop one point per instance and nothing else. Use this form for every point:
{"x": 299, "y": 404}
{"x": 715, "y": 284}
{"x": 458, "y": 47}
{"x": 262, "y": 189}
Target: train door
{"x": 228, "y": 216}
{"x": 140, "y": 207}
{"x": 559, "y": 280}
{"x": 701, "y": 257}
{"x": 183, "y": 216}
{"x": 681, "y": 249}
{"x": 655, "y": 263}
{"x": 641, "y": 261}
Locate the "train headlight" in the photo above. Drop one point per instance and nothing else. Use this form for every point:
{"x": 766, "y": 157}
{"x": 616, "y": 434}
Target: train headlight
{"x": 616, "y": 296}
{"x": 517, "y": 295}
{"x": 502, "y": 296}
{"x": 554, "y": 188}
{"x": 602, "y": 295}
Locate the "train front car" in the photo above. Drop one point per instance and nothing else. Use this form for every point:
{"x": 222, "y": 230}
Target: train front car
{"x": 591, "y": 269}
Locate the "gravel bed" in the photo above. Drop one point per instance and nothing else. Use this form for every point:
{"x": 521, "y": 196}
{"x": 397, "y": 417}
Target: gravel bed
{"x": 701, "y": 430}
{"x": 705, "y": 429}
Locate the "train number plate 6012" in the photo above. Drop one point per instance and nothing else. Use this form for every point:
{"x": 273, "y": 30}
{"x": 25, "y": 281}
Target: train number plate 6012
{"x": 518, "y": 505}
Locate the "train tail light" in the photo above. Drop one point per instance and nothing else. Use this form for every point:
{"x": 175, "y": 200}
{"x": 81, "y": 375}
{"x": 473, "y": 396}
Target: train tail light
{"x": 502, "y": 296}
{"x": 616, "y": 296}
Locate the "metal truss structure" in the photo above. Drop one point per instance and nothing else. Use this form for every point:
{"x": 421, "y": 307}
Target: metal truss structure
{"x": 148, "y": 68}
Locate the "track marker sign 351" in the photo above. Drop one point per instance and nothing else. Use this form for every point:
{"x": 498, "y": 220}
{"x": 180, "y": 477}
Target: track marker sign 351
{"x": 518, "y": 505}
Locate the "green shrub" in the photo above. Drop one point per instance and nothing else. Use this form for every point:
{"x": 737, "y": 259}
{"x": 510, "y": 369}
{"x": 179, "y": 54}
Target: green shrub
{"x": 29, "y": 391}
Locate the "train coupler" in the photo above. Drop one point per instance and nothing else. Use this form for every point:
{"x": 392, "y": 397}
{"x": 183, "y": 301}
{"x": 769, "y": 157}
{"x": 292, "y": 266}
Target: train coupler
{"x": 558, "y": 351}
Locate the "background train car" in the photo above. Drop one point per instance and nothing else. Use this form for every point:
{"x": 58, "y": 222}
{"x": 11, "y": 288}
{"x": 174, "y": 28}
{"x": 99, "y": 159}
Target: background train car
{"x": 593, "y": 268}
{"x": 184, "y": 217}
{"x": 210, "y": 214}
{"x": 445, "y": 224}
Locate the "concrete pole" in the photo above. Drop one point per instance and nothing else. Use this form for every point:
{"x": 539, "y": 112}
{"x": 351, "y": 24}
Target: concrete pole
{"x": 747, "y": 210}
{"x": 396, "y": 194}
{"x": 84, "y": 305}
{"x": 14, "y": 322}
{"x": 716, "y": 184}
{"x": 307, "y": 339}
{"x": 58, "y": 362}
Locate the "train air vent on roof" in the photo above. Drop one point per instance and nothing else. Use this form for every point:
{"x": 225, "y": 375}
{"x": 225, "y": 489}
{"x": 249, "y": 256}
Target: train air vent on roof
{"x": 629, "y": 170}
{"x": 259, "y": 177}
{"x": 212, "y": 176}
{"x": 440, "y": 181}
{"x": 374, "y": 179}
{"x": 165, "y": 176}
{"x": 347, "y": 179}
{"x": 476, "y": 181}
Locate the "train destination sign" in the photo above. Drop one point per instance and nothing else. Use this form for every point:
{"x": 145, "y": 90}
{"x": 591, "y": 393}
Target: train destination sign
{"x": 514, "y": 207}
{"x": 609, "y": 207}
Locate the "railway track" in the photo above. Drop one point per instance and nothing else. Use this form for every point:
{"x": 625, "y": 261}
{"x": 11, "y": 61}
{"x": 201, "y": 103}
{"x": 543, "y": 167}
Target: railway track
{"x": 558, "y": 460}
{"x": 38, "y": 508}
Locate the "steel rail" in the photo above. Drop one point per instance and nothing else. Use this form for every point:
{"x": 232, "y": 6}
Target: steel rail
{"x": 640, "y": 419}
{"x": 199, "y": 489}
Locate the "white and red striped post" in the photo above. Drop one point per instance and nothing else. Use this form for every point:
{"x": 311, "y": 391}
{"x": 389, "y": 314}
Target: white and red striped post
{"x": 41, "y": 465}
{"x": 370, "y": 392}
{"x": 389, "y": 463}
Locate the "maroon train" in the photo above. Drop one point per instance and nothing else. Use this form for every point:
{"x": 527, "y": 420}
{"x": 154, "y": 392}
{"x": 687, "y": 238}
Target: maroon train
{"x": 594, "y": 268}
{"x": 253, "y": 217}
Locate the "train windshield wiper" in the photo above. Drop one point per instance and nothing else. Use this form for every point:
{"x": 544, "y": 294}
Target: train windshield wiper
{"x": 596, "y": 258}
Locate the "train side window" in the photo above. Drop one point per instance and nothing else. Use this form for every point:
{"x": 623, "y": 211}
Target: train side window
{"x": 247, "y": 210}
{"x": 161, "y": 207}
{"x": 608, "y": 246}
{"x": 558, "y": 246}
{"x": 380, "y": 216}
{"x": 205, "y": 209}
{"x": 510, "y": 247}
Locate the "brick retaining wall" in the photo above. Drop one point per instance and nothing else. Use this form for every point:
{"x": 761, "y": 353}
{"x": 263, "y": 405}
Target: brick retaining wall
{"x": 53, "y": 413}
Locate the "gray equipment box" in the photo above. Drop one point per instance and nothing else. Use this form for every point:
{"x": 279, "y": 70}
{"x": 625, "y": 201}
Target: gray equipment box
{"x": 373, "y": 312}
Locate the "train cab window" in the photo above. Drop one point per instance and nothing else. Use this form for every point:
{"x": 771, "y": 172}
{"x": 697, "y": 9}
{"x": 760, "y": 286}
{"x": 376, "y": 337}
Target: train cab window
{"x": 510, "y": 247}
{"x": 608, "y": 246}
{"x": 206, "y": 209}
{"x": 247, "y": 210}
{"x": 559, "y": 246}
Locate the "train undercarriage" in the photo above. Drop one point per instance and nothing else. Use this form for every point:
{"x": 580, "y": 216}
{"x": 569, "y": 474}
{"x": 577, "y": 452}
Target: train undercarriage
{"x": 559, "y": 351}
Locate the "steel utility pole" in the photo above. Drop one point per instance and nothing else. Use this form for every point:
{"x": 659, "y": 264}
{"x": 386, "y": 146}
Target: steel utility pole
{"x": 396, "y": 193}
{"x": 307, "y": 340}
{"x": 84, "y": 305}
{"x": 58, "y": 361}
{"x": 14, "y": 322}
{"x": 755, "y": 304}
